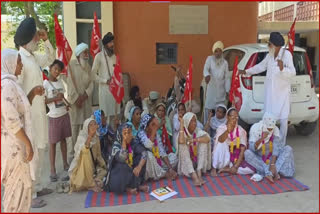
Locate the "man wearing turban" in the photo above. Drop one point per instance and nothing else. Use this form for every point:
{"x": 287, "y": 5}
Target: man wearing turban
{"x": 280, "y": 69}
{"x": 27, "y": 40}
{"x": 79, "y": 89}
{"x": 103, "y": 65}
{"x": 217, "y": 77}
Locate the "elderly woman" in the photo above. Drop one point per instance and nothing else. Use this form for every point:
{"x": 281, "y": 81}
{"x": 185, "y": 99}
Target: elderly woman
{"x": 126, "y": 164}
{"x": 230, "y": 144}
{"x": 135, "y": 100}
{"x": 193, "y": 150}
{"x": 106, "y": 133}
{"x": 134, "y": 119}
{"x": 176, "y": 123}
{"x": 19, "y": 156}
{"x": 159, "y": 163}
{"x": 88, "y": 168}
{"x": 266, "y": 152}
{"x": 165, "y": 128}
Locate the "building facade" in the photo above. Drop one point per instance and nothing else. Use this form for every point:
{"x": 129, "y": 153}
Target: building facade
{"x": 152, "y": 36}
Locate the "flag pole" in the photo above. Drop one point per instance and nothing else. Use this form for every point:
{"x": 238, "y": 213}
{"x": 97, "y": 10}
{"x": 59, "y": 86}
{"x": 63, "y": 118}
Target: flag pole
{"x": 285, "y": 48}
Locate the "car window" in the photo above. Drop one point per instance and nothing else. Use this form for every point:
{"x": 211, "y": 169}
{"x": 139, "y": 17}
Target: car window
{"x": 261, "y": 56}
{"x": 299, "y": 61}
{"x": 230, "y": 56}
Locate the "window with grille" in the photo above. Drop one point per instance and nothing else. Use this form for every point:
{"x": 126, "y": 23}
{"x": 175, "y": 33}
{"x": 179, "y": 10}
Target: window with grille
{"x": 166, "y": 53}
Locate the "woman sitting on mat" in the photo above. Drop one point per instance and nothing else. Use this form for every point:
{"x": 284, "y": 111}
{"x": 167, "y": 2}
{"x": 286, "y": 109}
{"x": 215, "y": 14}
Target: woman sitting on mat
{"x": 265, "y": 152}
{"x": 230, "y": 144}
{"x": 158, "y": 163}
{"x": 194, "y": 149}
{"x": 134, "y": 119}
{"x": 106, "y": 133}
{"x": 126, "y": 164}
{"x": 88, "y": 168}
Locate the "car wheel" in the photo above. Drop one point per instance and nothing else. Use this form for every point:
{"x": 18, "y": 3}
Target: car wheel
{"x": 306, "y": 128}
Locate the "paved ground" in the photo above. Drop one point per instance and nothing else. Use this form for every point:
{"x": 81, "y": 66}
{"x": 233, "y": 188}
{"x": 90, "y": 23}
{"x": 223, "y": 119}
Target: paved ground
{"x": 306, "y": 151}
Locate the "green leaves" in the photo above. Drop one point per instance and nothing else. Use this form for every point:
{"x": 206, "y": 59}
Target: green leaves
{"x": 42, "y": 12}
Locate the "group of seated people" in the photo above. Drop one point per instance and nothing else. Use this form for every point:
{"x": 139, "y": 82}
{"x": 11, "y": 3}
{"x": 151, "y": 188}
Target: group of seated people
{"x": 149, "y": 146}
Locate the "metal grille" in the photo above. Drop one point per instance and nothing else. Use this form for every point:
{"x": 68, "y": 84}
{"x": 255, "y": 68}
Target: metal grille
{"x": 166, "y": 53}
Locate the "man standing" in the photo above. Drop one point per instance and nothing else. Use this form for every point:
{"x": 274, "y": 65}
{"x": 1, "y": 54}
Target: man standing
{"x": 27, "y": 40}
{"x": 280, "y": 69}
{"x": 217, "y": 78}
{"x": 79, "y": 89}
{"x": 103, "y": 65}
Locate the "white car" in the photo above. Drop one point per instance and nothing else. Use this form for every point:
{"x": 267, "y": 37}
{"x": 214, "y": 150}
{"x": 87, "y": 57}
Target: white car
{"x": 304, "y": 111}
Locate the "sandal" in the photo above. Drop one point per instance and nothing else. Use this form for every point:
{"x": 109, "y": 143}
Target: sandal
{"x": 54, "y": 178}
{"x": 66, "y": 178}
{"x": 44, "y": 191}
{"x": 66, "y": 187}
{"x": 59, "y": 188}
{"x": 38, "y": 203}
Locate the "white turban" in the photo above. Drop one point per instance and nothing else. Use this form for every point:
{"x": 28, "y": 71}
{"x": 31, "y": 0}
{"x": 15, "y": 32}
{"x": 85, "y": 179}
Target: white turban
{"x": 154, "y": 95}
{"x": 80, "y": 48}
{"x": 216, "y": 45}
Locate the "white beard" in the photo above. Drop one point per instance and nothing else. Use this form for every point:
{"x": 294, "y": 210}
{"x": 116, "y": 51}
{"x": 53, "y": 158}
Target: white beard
{"x": 32, "y": 46}
{"x": 84, "y": 62}
{"x": 272, "y": 51}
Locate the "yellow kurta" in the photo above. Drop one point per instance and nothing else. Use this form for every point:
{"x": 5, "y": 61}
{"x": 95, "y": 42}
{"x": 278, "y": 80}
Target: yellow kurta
{"x": 82, "y": 176}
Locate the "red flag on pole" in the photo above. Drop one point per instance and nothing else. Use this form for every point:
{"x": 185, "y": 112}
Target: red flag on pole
{"x": 116, "y": 85}
{"x": 291, "y": 37}
{"x": 188, "y": 88}
{"x": 235, "y": 96}
{"x": 64, "y": 50}
{"x": 95, "y": 37}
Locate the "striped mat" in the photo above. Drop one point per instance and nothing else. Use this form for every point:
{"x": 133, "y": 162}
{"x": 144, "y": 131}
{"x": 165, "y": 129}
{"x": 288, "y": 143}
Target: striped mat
{"x": 222, "y": 185}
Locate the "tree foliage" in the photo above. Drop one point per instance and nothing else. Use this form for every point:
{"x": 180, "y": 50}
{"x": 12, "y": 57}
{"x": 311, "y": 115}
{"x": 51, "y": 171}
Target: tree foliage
{"x": 42, "y": 12}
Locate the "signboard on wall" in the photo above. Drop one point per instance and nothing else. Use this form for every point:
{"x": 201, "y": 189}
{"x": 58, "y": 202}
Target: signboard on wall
{"x": 188, "y": 19}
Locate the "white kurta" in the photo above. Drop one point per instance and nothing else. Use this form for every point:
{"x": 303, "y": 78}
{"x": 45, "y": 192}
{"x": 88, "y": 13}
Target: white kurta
{"x": 30, "y": 77}
{"x": 84, "y": 83}
{"x": 219, "y": 83}
{"x": 277, "y": 84}
{"x": 106, "y": 100}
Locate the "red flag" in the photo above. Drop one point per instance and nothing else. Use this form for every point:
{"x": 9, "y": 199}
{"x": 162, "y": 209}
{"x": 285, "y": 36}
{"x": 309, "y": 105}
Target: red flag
{"x": 64, "y": 50}
{"x": 235, "y": 96}
{"x": 116, "y": 85}
{"x": 95, "y": 37}
{"x": 44, "y": 77}
{"x": 188, "y": 88}
{"x": 291, "y": 36}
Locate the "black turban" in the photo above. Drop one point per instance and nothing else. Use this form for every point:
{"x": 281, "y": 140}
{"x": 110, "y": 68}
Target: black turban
{"x": 277, "y": 39}
{"x": 25, "y": 32}
{"x": 107, "y": 38}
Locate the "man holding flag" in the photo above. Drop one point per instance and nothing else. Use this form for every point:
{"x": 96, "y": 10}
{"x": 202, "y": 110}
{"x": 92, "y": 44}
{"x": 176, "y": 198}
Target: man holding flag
{"x": 103, "y": 66}
{"x": 27, "y": 40}
{"x": 280, "y": 69}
